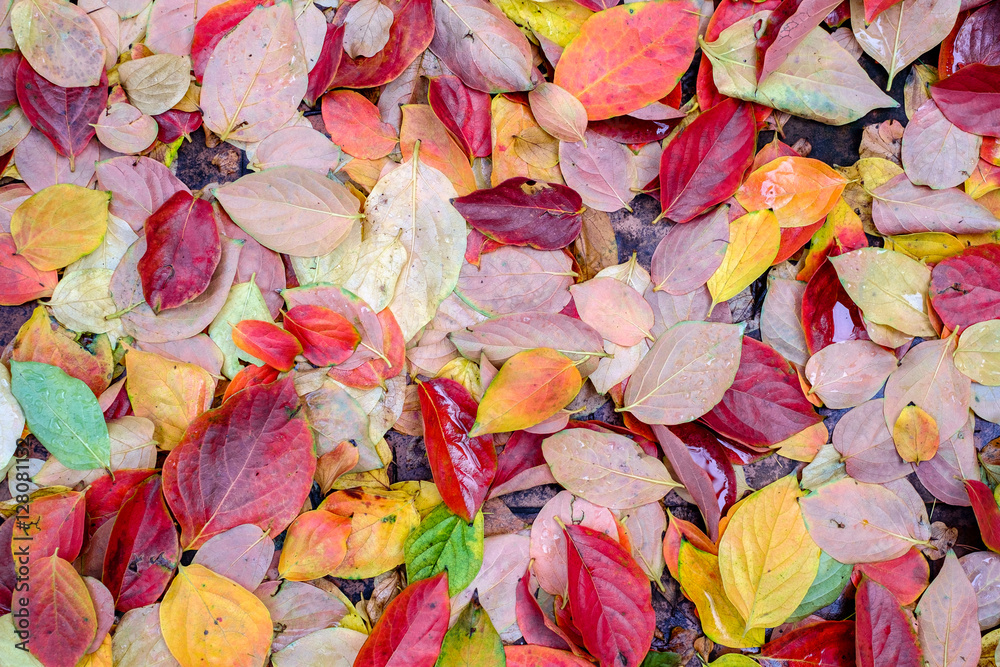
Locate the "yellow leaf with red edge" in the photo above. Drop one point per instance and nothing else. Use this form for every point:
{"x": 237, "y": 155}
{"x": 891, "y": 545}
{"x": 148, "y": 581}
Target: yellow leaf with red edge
{"x": 841, "y": 232}
{"x": 800, "y": 190}
{"x": 629, "y": 56}
{"x": 679, "y": 530}
{"x": 208, "y": 620}
{"x": 168, "y": 393}
{"x": 512, "y": 121}
{"x": 701, "y": 582}
{"x": 754, "y": 240}
{"x": 315, "y": 545}
{"x": 380, "y": 523}
{"x": 916, "y": 435}
{"x": 59, "y": 225}
{"x": 437, "y": 148}
{"x": 530, "y": 387}
{"x": 41, "y": 339}
{"x": 767, "y": 559}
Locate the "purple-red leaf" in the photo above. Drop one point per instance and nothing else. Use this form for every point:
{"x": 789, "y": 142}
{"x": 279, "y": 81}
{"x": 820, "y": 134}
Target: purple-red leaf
{"x": 182, "y": 251}
{"x": 886, "y": 632}
{"x": 609, "y": 597}
{"x": 411, "y": 628}
{"x": 463, "y": 467}
{"x": 225, "y": 471}
{"x": 143, "y": 549}
{"x": 63, "y": 115}
{"x": 965, "y": 289}
{"x": 827, "y": 643}
{"x": 175, "y": 124}
{"x": 705, "y": 164}
{"x": 695, "y": 478}
{"x": 465, "y": 113}
{"x": 970, "y": 98}
{"x": 828, "y": 314}
{"x": 765, "y": 403}
{"x": 325, "y": 69}
{"x": 987, "y": 512}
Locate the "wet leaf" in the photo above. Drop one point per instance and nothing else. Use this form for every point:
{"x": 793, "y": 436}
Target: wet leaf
{"x": 411, "y": 628}
{"x": 900, "y": 207}
{"x": 885, "y": 630}
{"x": 798, "y": 190}
{"x": 616, "y": 310}
{"x": 445, "y": 542}
{"x": 171, "y": 394}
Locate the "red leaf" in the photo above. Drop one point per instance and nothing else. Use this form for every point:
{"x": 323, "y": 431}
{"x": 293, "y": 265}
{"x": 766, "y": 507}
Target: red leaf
{"x": 875, "y": 7}
{"x": 143, "y": 549}
{"x": 596, "y": 5}
{"x": 827, "y": 643}
{"x": 354, "y": 124}
{"x": 464, "y": 112}
{"x": 9, "y": 62}
{"x": 609, "y": 597}
{"x": 522, "y": 452}
{"x": 532, "y": 621}
{"x": 828, "y": 314}
{"x": 765, "y": 403}
{"x": 215, "y": 24}
{"x": 965, "y": 289}
{"x": 182, "y": 251}
{"x": 463, "y": 467}
{"x": 541, "y": 656}
{"x": 325, "y": 69}
{"x": 694, "y": 477}
{"x": 327, "y": 337}
{"x": 63, "y": 621}
{"x": 175, "y": 124}
{"x": 225, "y": 471}
{"x": 906, "y": 577}
{"x": 631, "y": 130}
{"x": 106, "y": 495}
{"x": 268, "y": 342}
{"x": 249, "y": 377}
{"x": 987, "y": 513}
{"x": 521, "y": 211}
{"x": 886, "y": 632}
{"x": 793, "y": 238}
{"x": 970, "y": 98}
{"x": 411, "y": 628}
{"x": 20, "y": 282}
{"x": 704, "y": 165}
{"x": 785, "y": 29}
{"x": 63, "y": 115}
{"x": 977, "y": 40}
{"x": 411, "y": 33}
{"x": 373, "y": 372}
{"x": 54, "y": 524}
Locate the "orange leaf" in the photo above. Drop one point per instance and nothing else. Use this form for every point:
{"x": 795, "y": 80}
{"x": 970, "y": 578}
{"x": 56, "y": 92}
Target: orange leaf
{"x": 437, "y": 148}
{"x": 314, "y": 546}
{"x": 268, "y": 342}
{"x": 531, "y": 387}
{"x": 354, "y": 125}
{"x": 916, "y": 435}
{"x": 799, "y": 190}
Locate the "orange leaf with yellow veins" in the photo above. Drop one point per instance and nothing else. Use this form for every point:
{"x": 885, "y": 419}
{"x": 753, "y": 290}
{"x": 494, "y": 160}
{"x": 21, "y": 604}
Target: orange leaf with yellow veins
{"x": 800, "y": 190}
{"x": 315, "y": 546}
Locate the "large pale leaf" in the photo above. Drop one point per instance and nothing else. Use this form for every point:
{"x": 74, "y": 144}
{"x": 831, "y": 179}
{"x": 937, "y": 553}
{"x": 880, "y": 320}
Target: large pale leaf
{"x": 866, "y": 447}
{"x": 514, "y": 280}
{"x": 766, "y": 557}
{"x": 412, "y": 201}
{"x": 59, "y": 40}
{"x": 863, "y": 523}
{"x": 291, "y": 210}
{"x": 978, "y": 353}
{"x": 607, "y": 469}
{"x": 256, "y": 76}
{"x": 685, "y": 374}
{"x": 903, "y": 32}
{"x": 600, "y": 170}
{"x": 900, "y": 207}
{"x": 935, "y": 152}
{"x": 688, "y": 255}
{"x": 947, "y": 618}
{"x": 819, "y": 80}
{"x": 889, "y": 287}
{"x": 849, "y": 373}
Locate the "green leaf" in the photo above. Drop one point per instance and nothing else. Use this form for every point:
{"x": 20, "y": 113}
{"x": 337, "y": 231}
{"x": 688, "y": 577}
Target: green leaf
{"x": 444, "y": 541}
{"x": 826, "y": 587}
{"x": 472, "y": 641}
{"x": 63, "y": 413}
{"x": 245, "y": 302}
{"x": 661, "y": 660}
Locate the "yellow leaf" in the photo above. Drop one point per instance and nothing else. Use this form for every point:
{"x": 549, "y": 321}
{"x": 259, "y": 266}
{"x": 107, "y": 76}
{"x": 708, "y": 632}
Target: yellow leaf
{"x": 929, "y": 247}
{"x": 766, "y": 557}
{"x": 510, "y": 121}
{"x": 380, "y": 523}
{"x": 754, "y": 240}
{"x": 59, "y": 225}
{"x": 978, "y": 353}
{"x": 800, "y": 190}
{"x": 558, "y": 21}
{"x": 804, "y": 445}
{"x": 168, "y": 393}
{"x": 841, "y": 231}
{"x": 531, "y": 386}
{"x": 916, "y": 435}
{"x": 698, "y": 574}
{"x": 99, "y": 658}
{"x": 208, "y": 620}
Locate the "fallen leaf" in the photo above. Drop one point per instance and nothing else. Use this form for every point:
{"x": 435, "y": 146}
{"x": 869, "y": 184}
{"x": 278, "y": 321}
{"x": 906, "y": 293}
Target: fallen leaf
{"x": 59, "y": 41}
{"x": 754, "y": 240}
{"x": 916, "y": 435}
{"x": 688, "y": 255}
{"x": 314, "y": 546}
{"x": 848, "y": 373}
{"x": 885, "y": 630}
{"x": 412, "y": 627}
{"x": 445, "y": 542}
{"x": 946, "y": 616}
{"x": 59, "y": 225}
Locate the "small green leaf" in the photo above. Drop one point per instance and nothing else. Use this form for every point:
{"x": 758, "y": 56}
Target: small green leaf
{"x": 661, "y": 660}
{"x": 472, "y": 641}
{"x": 444, "y": 541}
{"x": 63, "y": 413}
{"x": 826, "y": 587}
